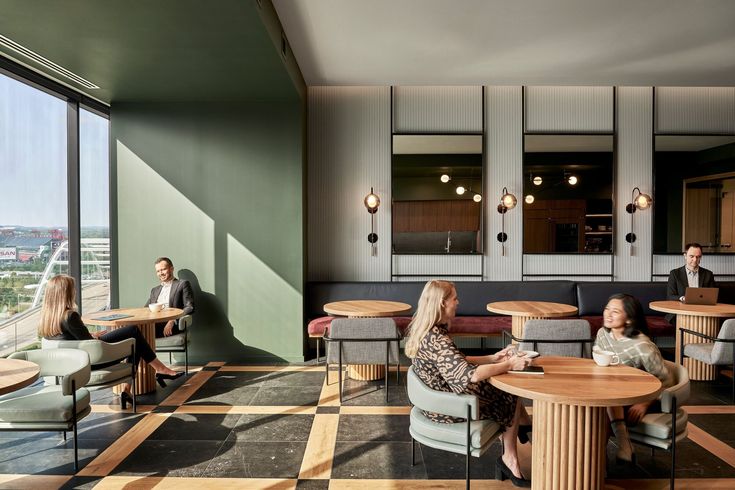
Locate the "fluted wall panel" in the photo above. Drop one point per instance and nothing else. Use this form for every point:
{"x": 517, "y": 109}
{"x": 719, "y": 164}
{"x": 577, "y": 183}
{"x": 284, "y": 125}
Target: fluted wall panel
{"x": 437, "y": 109}
{"x": 634, "y": 169}
{"x": 566, "y": 265}
{"x": 569, "y": 109}
{"x": 504, "y": 168}
{"x": 719, "y": 264}
{"x": 437, "y": 265}
{"x": 349, "y": 152}
{"x": 695, "y": 110}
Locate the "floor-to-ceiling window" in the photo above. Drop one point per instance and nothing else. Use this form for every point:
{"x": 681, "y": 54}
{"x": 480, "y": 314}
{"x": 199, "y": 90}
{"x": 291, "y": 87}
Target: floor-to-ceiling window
{"x": 35, "y": 208}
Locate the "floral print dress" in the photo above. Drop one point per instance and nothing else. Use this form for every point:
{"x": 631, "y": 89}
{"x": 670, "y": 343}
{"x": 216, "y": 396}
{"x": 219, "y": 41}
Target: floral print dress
{"x": 443, "y": 367}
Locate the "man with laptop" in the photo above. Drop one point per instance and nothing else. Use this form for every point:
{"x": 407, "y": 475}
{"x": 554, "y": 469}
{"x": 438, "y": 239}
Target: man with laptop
{"x": 691, "y": 276}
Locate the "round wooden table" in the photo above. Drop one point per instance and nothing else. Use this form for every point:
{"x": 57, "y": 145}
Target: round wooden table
{"x": 16, "y": 374}
{"x": 569, "y": 415}
{"x": 700, "y": 318}
{"x": 522, "y": 311}
{"x": 366, "y": 308}
{"x": 145, "y": 319}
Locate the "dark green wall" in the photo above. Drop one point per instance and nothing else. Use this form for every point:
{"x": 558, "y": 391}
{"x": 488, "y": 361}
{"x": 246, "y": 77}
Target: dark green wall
{"x": 218, "y": 188}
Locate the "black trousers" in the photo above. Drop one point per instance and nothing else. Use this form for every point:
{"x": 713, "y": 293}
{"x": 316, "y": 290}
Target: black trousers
{"x": 142, "y": 349}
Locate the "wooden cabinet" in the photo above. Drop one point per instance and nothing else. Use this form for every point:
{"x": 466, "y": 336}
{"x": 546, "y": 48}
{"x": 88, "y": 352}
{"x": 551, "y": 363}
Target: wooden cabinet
{"x": 446, "y": 215}
{"x": 554, "y": 226}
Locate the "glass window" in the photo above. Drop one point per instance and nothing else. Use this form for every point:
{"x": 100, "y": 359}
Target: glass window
{"x": 94, "y": 196}
{"x": 33, "y": 210}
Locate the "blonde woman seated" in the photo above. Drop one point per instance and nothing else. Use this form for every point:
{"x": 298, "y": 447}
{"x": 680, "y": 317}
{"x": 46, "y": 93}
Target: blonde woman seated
{"x": 60, "y": 321}
{"x": 624, "y": 333}
{"x": 441, "y": 366}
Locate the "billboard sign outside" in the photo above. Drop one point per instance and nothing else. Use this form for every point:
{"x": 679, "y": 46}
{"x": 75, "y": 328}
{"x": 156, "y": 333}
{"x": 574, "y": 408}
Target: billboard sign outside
{"x": 7, "y": 253}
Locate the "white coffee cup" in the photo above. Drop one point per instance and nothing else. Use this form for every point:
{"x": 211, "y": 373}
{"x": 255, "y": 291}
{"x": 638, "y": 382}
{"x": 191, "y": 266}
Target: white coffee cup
{"x": 156, "y": 306}
{"x": 605, "y": 358}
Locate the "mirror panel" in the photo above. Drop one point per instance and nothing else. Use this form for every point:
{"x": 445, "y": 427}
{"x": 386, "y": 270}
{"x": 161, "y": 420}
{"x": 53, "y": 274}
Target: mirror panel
{"x": 429, "y": 215}
{"x": 567, "y": 193}
{"x": 694, "y": 193}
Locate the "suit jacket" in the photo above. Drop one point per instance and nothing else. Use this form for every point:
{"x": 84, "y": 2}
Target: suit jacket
{"x": 678, "y": 284}
{"x": 181, "y": 296}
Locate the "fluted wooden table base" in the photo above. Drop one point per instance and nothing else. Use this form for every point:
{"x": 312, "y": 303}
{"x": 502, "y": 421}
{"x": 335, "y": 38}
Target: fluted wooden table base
{"x": 518, "y": 322}
{"x": 366, "y": 372}
{"x": 568, "y": 446}
{"x": 145, "y": 380}
{"x": 703, "y": 324}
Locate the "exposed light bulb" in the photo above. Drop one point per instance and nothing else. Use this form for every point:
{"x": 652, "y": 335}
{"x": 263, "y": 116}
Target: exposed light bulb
{"x": 445, "y": 178}
{"x": 537, "y": 181}
{"x": 509, "y": 201}
{"x": 460, "y": 190}
{"x": 529, "y": 199}
{"x": 477, "y": 198}
{"x": 643, "y": 201}
{"x": 572, "y": 180}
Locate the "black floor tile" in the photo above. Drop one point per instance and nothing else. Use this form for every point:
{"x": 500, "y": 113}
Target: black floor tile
{"x": 106, "y": 425}
{"x": 312, "y": 485}
{"x": 81, "y": 483}
{"x": 223, "y": 392}
{"x": 169, "y": 458}
{"x": 47, "y": 456}
{"x": 373, "y": 428}
{"x": 295, "y": 378}
{"x": 195, "y": 427}
{"x": 262, "y": 460}
{"x": 721, "y": 426}
{"x": 287, "y": 395}
{"x": 332, "y": 410}
{"x": 372, "y": 393}
{"x": 442, "y": 465}
{"x": 272, "y": 428}
{"x": 360, "y": 460}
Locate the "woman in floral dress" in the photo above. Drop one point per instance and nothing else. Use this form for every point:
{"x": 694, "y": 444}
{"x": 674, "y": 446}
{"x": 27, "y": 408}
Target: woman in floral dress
{"x": 442, "y": 367}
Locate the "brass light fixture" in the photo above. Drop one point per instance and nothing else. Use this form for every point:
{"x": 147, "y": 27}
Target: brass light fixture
{"x": 372, "y": 202}
{"x": 507, "y": 202}
{"x": 638, "y": 200}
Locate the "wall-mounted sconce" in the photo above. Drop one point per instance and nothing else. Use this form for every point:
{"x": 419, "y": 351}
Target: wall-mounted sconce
{"x": 507, "y": 202}
{"x": 638, "y": 200}
{"x": 372, "y": 202}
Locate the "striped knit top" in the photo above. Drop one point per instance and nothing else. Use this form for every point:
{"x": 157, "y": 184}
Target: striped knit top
{"x": 638, "y": 352}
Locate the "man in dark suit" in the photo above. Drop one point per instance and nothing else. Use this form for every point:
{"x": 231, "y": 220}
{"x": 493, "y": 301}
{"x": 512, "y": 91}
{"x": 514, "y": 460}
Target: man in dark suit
{"x": 690, "y": 275}
{"x": 173, "y": 292}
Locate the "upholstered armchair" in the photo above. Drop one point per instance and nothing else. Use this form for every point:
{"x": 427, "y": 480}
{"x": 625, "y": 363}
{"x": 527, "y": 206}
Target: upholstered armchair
{"x": 566, "y": 337}
{"x": 45, "y": 407}
{"x": 178, "y": 342}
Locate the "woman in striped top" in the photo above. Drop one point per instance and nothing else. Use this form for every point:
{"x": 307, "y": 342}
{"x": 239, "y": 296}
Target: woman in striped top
{"x": 624, "y": 333}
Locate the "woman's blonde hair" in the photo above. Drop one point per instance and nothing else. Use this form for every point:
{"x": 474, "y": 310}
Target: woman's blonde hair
{"x": 428, "y": 313}
{"x": 58, "y": 301}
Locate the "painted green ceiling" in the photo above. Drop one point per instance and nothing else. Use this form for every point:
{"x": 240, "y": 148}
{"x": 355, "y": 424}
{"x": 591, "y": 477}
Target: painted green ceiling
{"x": 154, "y": 50}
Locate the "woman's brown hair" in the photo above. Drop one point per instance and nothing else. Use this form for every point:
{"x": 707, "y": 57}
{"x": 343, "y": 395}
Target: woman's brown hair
{"x": 58, "y": 301}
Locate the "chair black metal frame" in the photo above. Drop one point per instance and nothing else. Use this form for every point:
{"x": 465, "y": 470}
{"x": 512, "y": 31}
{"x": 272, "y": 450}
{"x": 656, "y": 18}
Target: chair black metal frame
{"x": 535, "y": 342}
{"x": 387, "y": 341}
{"x": 187, "y": 319}
{"x": 712, "y": 339}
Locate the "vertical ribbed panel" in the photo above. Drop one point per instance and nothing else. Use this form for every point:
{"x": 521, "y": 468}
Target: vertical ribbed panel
{"x": 437, "y": 109}
{"x": 568, "y": 109}
{"x": 634, "y": 169}
{"x": 718, "y": 264}
{"x": 567, "y": 264}
{"x": 349, "y": 152}
{"x": 438, "y": 265}
{"x": 504, "y": 168}
{"x": 695, "y": 110}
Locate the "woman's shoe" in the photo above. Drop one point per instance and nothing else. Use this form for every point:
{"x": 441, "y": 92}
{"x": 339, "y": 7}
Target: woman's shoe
{"x": 502, "y": 472}
{"x": 125, "y": 398}
{"x": 523, "y": 431}
{"x": 160, "y": 378}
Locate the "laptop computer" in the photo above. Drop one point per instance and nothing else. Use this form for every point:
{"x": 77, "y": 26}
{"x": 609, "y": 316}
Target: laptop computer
{"x": 701, "y": 296}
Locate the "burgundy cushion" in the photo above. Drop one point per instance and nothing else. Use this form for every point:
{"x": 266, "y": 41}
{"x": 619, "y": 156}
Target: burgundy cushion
{"x": 319, "y": 326}
{"x": 485, "y": 325}
{"x": 657, "y": 325}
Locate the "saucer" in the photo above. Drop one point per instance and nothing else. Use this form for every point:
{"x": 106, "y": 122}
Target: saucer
{"x": 529, "y": 353}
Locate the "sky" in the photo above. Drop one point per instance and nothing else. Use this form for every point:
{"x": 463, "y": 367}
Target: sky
{"x": 33, "y": 160}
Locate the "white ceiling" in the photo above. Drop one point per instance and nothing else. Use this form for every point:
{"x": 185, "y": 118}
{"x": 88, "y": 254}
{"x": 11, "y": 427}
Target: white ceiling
{"x": 512, "y": 42}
